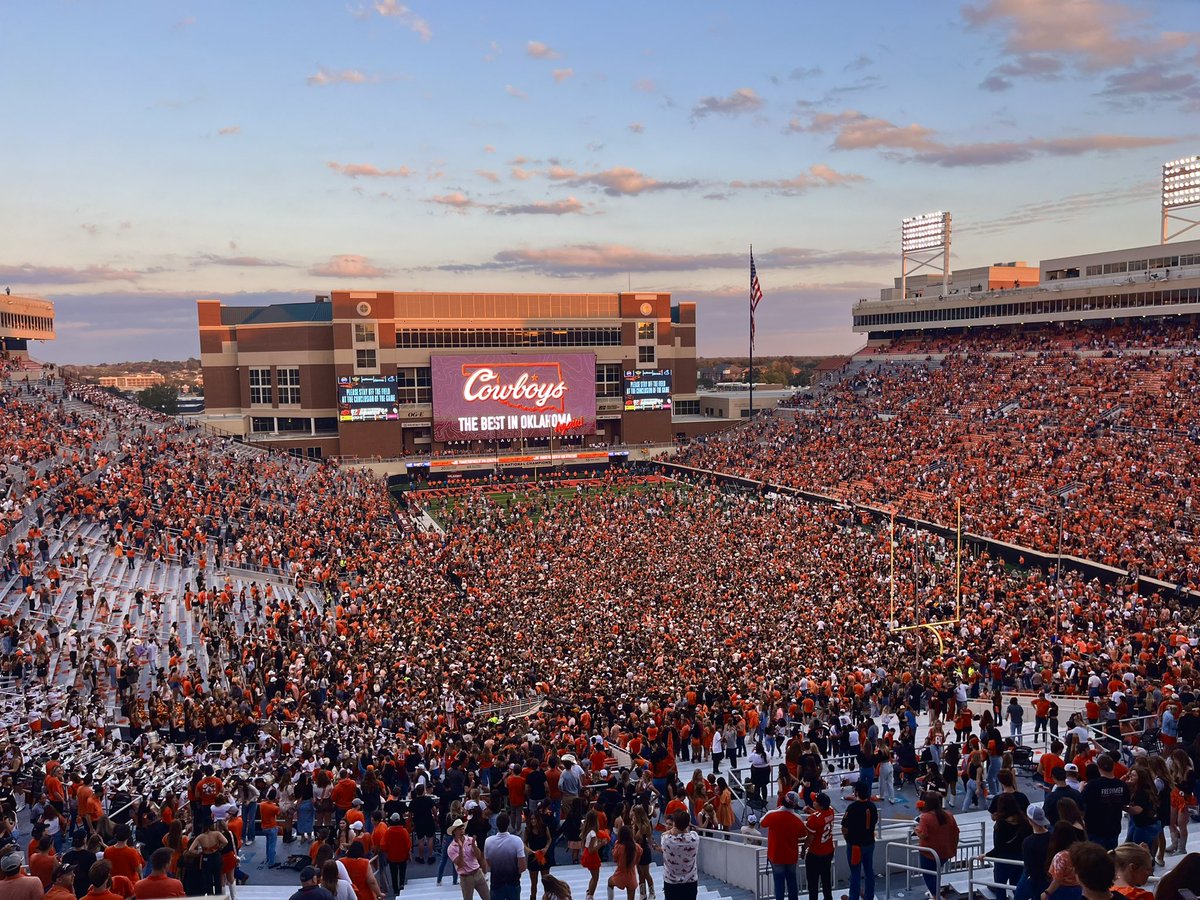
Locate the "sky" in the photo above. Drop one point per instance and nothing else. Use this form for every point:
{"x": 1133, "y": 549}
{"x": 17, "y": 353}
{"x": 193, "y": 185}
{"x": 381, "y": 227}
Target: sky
{"x": 153, "y": 153}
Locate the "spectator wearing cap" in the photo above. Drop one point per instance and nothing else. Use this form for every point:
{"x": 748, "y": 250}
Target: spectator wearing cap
{"x": 15, "y": 884}
{"x": 310, "y": 886}
{"x": 469, "y": 862}
{"x": 785, "y": 831}
{"x": 1034, "y": 851}
{"x": 62, "y": 884}
{"x": 158, "y": 883}
{"x": 397, "y": 849}
{"x": 1061, "y": 790}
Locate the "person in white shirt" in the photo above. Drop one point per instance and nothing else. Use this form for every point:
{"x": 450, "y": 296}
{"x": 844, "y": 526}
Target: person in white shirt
{"x": 718, "y": 750}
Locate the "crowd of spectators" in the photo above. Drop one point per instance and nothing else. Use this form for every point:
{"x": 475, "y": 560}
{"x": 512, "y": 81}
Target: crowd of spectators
{"x": 650, "y": 622}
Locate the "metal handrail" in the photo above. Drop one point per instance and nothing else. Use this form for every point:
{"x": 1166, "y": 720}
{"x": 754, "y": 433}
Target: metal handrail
{"x": 982, "y": 862}
{"x": 906, "y": 867}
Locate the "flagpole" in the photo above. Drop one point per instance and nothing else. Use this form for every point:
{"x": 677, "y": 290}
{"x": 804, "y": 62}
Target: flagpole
{"x": 751, "y": 339}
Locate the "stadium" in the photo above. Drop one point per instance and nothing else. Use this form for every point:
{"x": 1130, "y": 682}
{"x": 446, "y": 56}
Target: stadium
{"x": 962, "y": 572}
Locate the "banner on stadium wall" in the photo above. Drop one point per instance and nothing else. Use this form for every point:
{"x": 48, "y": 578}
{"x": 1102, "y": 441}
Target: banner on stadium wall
{"x": 367, "y": 398}
{"x": 486, "y": 396}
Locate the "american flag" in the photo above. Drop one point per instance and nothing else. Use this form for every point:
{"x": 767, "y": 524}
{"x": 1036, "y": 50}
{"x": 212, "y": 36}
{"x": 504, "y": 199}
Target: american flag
{"x": 755, "y": 297}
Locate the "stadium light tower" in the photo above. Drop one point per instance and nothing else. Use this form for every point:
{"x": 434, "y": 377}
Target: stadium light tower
{"x": 925, "y": 240}
{"x": 1180, "y": 190}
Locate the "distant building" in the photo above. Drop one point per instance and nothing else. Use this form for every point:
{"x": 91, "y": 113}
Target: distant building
{"x": 370, "y": 375}
{"x": 1108, "y": 286}
{"x": 732, "y": 401}
{"x": 137, "y": 381}
{"x": 24, "y": 319}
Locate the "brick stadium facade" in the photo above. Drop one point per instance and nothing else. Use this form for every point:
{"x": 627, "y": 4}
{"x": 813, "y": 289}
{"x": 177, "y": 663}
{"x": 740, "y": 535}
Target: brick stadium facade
{"x": 271, "y": 372}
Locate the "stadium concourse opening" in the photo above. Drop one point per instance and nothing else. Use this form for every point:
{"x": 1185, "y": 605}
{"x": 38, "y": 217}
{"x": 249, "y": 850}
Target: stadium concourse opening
{"x": 224, "y": 646}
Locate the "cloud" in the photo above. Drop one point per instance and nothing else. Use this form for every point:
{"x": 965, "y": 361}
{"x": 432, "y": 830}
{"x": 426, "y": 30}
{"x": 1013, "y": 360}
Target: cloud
{"x": 343, "y": 76}
{"x": 241, "y": 262}
{"x": 548, "y": 208}
{"x": 457, "y": 201}
{"x": 801, "y": 72}
{"x": 561, "y": 75}
{"x": 1094, "y": 36}
{"x": 636, "y": 127}
{"x": 1153, "y": 81}
{"x": 1099, "y": 34}
{"x": 515, "y": 92}
{"x": 645, "y": 86}
{"x": 347, "y": 265}
{"x": 187, "y": 22}
{"x": 488, "y": 148}
{"x": 743, "y": 100}
{"x": 229, "y": 130}
{"x": 365, "y": 170}
{"x": 488, "y": 175}
{"x": 28, "y": 273}
{"x": 607, "y": 259}
{"x": 405, "y": 16}
{"x": 854, "y": 130}
{"x": 538, "y": 50}
{"x": 618, "y": 181}
{"x": 817, "y": 176}
{"x": 857, "y": 64}
{"x": 91, "y": 228}
{"x": 520, "y": 174}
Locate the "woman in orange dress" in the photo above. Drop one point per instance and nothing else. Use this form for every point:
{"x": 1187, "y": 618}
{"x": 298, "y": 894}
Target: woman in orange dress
{"x": 626, "y": 854}
{"x": 723, "y": 805}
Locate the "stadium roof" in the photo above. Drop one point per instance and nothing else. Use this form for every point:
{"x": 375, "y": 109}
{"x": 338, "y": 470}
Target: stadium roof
{"x": 276, "y": 314}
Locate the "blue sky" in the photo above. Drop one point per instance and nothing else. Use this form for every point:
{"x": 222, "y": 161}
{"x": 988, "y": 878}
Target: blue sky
{"x": 155, "y": 153}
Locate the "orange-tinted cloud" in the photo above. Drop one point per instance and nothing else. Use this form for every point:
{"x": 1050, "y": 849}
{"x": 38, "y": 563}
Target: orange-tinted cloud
{"x": 538, "y": 50}
{"x": 405, "y": 16}
{"x": 818, "y": 175}
{"x": 365, "y": 170}
{"x": 347, "y": 265}
{"x": 326, "y": 76}
{"x": 617, "y": 181}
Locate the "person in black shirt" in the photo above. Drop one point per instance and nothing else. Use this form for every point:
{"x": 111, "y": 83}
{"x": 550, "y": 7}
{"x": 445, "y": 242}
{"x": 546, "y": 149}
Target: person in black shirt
{"x": 82, "y": 859}
{"x": 1104, "y": 802}
{"x": 1061, "y": 790}
{"x": 858, "y": 829}
{"x": 1034, "y": 849}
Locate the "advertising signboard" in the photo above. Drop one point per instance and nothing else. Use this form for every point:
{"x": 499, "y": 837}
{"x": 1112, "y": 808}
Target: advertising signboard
{"x": 367, "y": 398}
{"x": 487, "y": 396}
{"x": 647, "y": 389}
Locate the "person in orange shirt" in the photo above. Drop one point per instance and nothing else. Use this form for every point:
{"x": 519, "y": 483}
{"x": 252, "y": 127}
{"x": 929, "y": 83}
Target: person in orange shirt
{"x": 268, "y": 813}
{"x": 358, "y": 867}
{"x": 125, "y": 860}
{"x": 42, "y": 861}
{"x": 62, "y": 886}
{"x": 158, "y": 884}
{"x": 101, "y": 882}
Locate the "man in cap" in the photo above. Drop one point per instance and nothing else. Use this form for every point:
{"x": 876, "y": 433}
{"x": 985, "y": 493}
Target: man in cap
{"x": 1061, "y": 789}
{"x": 62, "y": 887}
{"x": 469, "y": 862}
{"x": 310, "y": 886}
{"x": 397, "y": 849}
{"x": 15, "y": 884}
